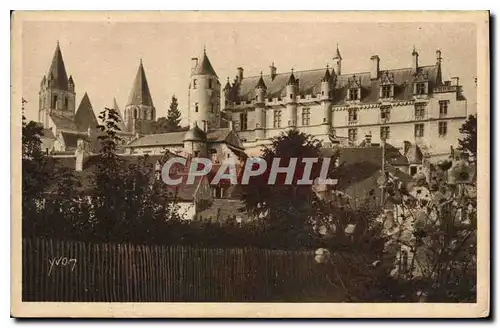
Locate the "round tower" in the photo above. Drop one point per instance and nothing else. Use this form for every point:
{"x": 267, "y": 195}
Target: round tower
{"x": 326, "y": 99}
{"x": 260, "y": 108}
{"x": 204, "y": 95}
{"x": 291, "y": 104}
{"x": 195, "y": 142}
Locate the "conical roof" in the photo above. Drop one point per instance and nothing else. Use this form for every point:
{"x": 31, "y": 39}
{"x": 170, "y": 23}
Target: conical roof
{"x": 140, "y": 95}
{"x": 260, "y": 83}
{"x": 337, "y": 53}
{"x": 327, "y": 77}
{"x": 195, "y": 134}
{"x": 57, "y": 71}
{"x": 85, "y": 117}
{"x": 204, "y": 67}
{"x": 121, "y": 124}
{"x": 291, "y": 79}
{"x": 228, "y": 85}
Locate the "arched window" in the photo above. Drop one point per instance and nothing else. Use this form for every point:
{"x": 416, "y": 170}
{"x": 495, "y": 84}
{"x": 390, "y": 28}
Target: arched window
{"x": 135, "y": 112}
{"x": 196, "y": 107}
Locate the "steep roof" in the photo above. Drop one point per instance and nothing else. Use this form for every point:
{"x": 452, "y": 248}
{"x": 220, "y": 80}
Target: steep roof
{"x": 121, "y": 124}
{"x": 140, "y": 94}
{"x": 85, "y": 117}
{"x": 309, "y": 82}
{"x": 63, "y": 122}
{"x": 195, "y": 134}
{"x": 204, "y": 67}
{"x": 57, "y": 71}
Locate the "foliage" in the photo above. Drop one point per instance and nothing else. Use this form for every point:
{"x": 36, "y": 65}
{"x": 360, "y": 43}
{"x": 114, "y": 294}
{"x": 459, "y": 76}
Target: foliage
{"x": 285, "y": 208}
{"x": 171, "y": 123}
{"x": 468, "y": 143}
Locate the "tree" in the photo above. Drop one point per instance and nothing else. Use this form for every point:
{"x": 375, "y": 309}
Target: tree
{"x": 171, "y": 123}
{"x": 468, "y": 143}
{"x": 285, "y": 208}
{"x": 36, "y": 171}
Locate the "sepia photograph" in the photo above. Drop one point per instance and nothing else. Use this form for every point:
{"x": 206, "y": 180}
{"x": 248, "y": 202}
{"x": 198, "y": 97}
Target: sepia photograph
{"x": 250, "y": 164}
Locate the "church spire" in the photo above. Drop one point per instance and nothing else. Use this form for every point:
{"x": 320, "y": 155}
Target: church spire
{"x": 57, "y": 72}
{"x": 140, "y": 95}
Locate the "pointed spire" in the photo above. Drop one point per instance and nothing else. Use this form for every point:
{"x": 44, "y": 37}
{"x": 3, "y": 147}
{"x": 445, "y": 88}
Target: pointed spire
{"x": 228, "y": 85}
{"x": 204, "y": 67}
{"x": 337, "y": 53}
{"x": 140, "y": 95}
{"x": 327, "y": 77}
{"x": 121, "y": 124}
{"x": 57, "y": 71}
{"x": 85, "y": 117}
{"x": 260, "y": 83}
{"x": 291, "y": 79}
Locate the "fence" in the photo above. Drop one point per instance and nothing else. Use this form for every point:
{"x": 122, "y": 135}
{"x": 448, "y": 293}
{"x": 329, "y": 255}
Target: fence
{"x": 71, "y": 271}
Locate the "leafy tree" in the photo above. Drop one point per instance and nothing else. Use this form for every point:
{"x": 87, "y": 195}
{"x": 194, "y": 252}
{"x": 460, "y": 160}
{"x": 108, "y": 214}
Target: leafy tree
{"x": 468, "y": 143}
{"x": 285, "y": 208}
{"x": 36, "y": 171}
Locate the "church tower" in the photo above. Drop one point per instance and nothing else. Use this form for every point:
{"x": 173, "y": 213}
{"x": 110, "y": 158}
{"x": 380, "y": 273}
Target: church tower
{"x": 139, "y": 111}
{"x": 204, "y": 95}
{"x": 57, "y": 92}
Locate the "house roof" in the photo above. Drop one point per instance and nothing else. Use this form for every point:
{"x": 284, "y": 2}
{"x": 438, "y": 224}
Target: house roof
{"x": 63, "y": 122}
{"x": 204, "y": 67}
{"x": 85, "y": 117}
{"x": 71, "y": 139}
{"x": 140, "y": 94}
{"x": 195, "y": 134}
{"x": 309, "y": 82}
{"x": 57, "y": 71}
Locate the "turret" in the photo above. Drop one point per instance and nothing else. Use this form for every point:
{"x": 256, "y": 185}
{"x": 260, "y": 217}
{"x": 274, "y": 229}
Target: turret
{"x": 337, "y": 58}
{"x": 225, "y": 95}
{"x": 195, "y": 142}
{"x": 204, "y": 95}
{"x": 71, "y": 84}
{"x": 291, "y": 104}
{"x": 326, "y": 98}
{"x": 260, "y": 108}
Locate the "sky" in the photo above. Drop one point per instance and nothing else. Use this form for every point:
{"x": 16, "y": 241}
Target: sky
{"x": 103, "y": 57}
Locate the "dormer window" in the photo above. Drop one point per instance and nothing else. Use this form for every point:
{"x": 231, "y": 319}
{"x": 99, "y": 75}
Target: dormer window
{"x": 353, "y": 94}
{"x": 354, "y": 88}
{"x": 420, "y": 84}
{"x": 386, "y": 91}
{"x": 387, "y": 85}
{"x": 420, "y": 89}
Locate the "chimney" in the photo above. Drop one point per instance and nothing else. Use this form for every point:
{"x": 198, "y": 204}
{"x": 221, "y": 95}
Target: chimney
{"x": 194, "y": 61}
{"x": 368, "y": 139}
{"x": 438, "y": 56}
{"x": 414, "y": 63}
{"x": 374, "y": 67}
{"x": 272, "y": 71}
{"x": 239, "y": 77}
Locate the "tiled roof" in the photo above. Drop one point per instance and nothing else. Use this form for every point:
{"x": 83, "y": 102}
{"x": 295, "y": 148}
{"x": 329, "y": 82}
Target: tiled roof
{"x": 204, "y": 67}
{"x": 309, "y": 82}
{"x": 85, "y": 116}
{"x": 140, "y": 95}
{"x": 57, "y": 71}
{"x": 160, "y": 139}
{"x": 63, "y": 122}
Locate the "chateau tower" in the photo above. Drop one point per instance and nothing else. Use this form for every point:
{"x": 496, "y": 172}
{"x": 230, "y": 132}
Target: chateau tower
{"x": 337, "y": 59}
{"x": 260, "y": 108}
{"x": 291, "y": 102}
{"x": 327, "y": 89}
{"x": 204, "y": 95}
{"x": 57, "y": 92}
{"x": 139, "y": 111}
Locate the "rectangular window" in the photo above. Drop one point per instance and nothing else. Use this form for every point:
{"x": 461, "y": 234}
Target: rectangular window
{"x": 54, "y": 102}
{"x": 385, "y": 113}
{"x": 420, "y": 89}
{"x": 212, "y": 108}
{"x": 243, "y": 121}
{"x": 66, "y": 103}
{"x": 210, "y": 83}
{"x": 443, "y": 108}
{"x": 306, "y": 116}
{"x": 419, "y": 130}
{"x": 353, "y": 94}
{"x": 353, "y": 135}
{"x": 196, "y": 107}
{"x": 386, "y": 91}
{"x": 443, "y": 128}
{"x": 277, "y": 119}
{"x": 385, "y": 132}
{"x": 353, "y": 115}
{"x": 419, "y": 111}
